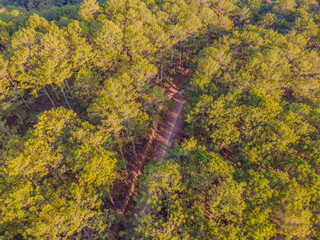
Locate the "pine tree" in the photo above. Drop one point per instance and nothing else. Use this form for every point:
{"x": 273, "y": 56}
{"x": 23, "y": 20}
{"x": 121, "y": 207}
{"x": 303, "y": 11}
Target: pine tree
{"x": 88, "y": 9}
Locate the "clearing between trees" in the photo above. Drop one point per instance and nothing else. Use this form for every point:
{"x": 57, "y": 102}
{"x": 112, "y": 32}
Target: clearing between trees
{"x": 162, "y": 136}
{"x": 171, "y": 128}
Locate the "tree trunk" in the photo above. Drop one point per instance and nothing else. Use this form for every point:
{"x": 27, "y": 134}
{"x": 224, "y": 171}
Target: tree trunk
{"x": 65, "y": 97}
{"x": 180, "y": 53}
{"x": 50, "y": 93}
{"x": 24, "y": 101}
{"x": 14, "y": 85}
{"x": 33, "y": 182}
{"x": 121, "y": 151}
{"x": 55, "y": 92}
{"x": 161, "y": 74}
{"x": 132, "y": 138}
{"x": 111, "y": 199}
{"x": 5, "y": 130}
{"x": 49, "y": 97}
{"x": 67, "y": 84}
{"x": 130, "y": 129}
{"x": 133, "y": 146}
{"x": 172, "y": 56}
{"x": 18, "y": 115}
{"x": 86, "y": 232}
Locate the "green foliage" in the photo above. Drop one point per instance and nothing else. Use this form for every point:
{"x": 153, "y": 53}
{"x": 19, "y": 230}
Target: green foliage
{"x": 253, "y": 109}
{"x": 247, "y": 166}
{"x": 107, "y": 44}
{"x": 159, "y": 212}
{"x": 88, "y": 9}
{"x": 59, "y": 178}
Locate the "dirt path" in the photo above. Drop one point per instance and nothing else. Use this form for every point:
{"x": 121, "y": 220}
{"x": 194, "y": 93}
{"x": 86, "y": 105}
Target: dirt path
{"x": 173, "y": 122}
{"x": 171, "y": 128}
{"x": 124, "y": 188}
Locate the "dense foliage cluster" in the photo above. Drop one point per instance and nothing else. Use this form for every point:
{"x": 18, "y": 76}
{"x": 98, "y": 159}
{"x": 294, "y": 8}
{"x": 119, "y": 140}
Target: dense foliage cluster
{"x": 249, "y": 165}
{"x": 80, "y": 86}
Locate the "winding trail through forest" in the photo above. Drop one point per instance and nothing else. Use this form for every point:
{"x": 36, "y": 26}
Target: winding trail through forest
{"x": 171, "y": 128}
{"x": 173, "y": 122}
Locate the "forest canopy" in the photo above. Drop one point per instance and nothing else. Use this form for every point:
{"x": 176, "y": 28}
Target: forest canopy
{"x": 85, "y": 84}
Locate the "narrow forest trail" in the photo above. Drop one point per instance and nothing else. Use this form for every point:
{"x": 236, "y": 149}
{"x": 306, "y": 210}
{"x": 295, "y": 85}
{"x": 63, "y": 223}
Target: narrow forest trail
{"x": 172, "y": 126}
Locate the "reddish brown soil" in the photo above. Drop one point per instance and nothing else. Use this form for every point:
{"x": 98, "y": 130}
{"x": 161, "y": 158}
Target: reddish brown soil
{"x": 171, "y": 128}
{"x": 124, "y": 188}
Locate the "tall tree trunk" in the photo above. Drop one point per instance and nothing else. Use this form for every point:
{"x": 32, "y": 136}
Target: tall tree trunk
{"x": 121, "y": 151}
{"x": 132, "y": 138}
{"x": 66, "y": 83}
{"x": 49, "y": 97}
{"x": 4, "y": 129}
{"x": 111, "y": 199}
{"x": 65, "y": 97}
{"x": 161, "y": 73}
{"x": 50, "y": 92}
{"x": 86, "y": 232}
{"x": 130, "y": 129}
{"x": 14, "y": 85}
{"x": 180, "y": 54}
{"x": 172, "y": 56}
{"x": 133, "y": 145}
{"x": 24, "y": 101}
{"x": 55, "y": 92}
{"x": 18, "y": 115}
